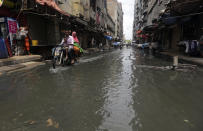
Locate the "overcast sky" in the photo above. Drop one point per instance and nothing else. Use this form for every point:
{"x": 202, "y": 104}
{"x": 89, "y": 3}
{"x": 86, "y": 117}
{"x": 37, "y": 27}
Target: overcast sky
{"x": 128, "y": 9}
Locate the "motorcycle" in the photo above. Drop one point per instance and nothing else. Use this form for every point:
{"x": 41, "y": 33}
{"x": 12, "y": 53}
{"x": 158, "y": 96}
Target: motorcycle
{"x": 121, "y": 47}
{"x": 59, "y": 56}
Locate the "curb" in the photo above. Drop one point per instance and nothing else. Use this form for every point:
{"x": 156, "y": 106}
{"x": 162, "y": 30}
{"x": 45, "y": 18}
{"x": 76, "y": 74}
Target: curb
{"x": 183, "y": 59}
{"x": 18, "y": 60}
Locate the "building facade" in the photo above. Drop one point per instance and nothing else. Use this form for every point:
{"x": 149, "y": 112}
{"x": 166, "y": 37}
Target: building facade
{"x": 116, "y": 12}
{"x": 47, "y": 19}
{"x": 168, "y": 22}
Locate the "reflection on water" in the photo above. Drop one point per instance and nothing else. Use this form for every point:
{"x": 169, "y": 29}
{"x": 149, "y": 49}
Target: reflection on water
{"x": 115, "y": 91}
{"x": 118, "y": 103}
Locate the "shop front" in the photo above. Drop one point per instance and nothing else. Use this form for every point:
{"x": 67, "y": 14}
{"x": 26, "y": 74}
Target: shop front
{"x": 183, "y": 26}
{"x": 8, "y": 32}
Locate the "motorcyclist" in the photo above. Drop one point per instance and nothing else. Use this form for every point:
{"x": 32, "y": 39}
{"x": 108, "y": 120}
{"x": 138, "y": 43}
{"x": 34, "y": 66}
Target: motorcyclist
{"x": 68, "y": 43}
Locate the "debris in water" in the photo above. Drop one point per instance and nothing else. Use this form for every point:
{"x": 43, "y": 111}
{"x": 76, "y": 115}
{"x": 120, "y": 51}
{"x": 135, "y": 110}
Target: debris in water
{"x": 20, "y": 115}
{"x": 189, "y": 123}
{"x": 180, "y": 67}
{"x": 52, "y": 123}
{"x": 30, "y": 122}
{"x": 186, "y": 121}
{"x": 56, "y": 125}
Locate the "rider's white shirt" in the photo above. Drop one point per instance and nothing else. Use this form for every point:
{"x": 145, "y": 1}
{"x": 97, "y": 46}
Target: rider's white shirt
{"x": 69, "y": 42}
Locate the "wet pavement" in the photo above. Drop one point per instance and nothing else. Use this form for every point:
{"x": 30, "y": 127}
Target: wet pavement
{"x": 114, "y": 91}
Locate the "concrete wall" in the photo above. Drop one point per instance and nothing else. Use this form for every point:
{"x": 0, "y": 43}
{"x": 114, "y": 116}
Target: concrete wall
{"x": 66, "y": 6}
{"x": 101, "y": 10}
{"x": 120, "y": 21}
{"x": 110, "y": 25}
{"x": 146, "y": 11}
{"x": 76, "y": 8}
{"x": 112, "y": 10}
{"x": 86, "y": 6}
{"x": 116, "y": 13}
{"x": 154, "y": 9}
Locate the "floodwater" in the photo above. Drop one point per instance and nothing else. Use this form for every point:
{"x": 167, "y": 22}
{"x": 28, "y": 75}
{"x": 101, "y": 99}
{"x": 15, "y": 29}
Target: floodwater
{"x": 113, "y": 91}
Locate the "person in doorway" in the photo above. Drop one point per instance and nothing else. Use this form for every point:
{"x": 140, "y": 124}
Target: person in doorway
{"x": 27, "y": 45}
{"x": 24, "y": 32}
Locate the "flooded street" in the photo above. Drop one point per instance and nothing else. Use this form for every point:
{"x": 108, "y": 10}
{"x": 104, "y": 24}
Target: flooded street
{"x": 114, "y": 91}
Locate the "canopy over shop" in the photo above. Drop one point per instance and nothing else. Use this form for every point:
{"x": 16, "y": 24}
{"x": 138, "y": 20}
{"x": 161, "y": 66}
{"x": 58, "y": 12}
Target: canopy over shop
{"x": 182, "y": 20}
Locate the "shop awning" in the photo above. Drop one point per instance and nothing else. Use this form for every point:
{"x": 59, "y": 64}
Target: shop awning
{"x": 52, "y": 3}
{"x": 150, "y": 28}
{"x": 108, "y": 37}
{"x": 169, "y": 20}
{"x": 182, "y": 7}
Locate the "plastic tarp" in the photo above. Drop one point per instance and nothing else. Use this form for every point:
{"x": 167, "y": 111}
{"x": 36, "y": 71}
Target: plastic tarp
{"x": 150, "y": 28}
{"x": 116, "y": 43}
{"x": 3, "y": 49}
{"x": 146, "y": 45}
{"x": 108, "y": 37}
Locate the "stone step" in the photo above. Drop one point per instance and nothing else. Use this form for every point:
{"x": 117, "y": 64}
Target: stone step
{"x": 19, "y": 67}
{"x": 19, "y": 59}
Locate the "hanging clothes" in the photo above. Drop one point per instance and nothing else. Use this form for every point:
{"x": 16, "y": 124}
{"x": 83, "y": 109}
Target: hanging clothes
{"x": 187, "y": 47}
{"x": 194, "y": 48}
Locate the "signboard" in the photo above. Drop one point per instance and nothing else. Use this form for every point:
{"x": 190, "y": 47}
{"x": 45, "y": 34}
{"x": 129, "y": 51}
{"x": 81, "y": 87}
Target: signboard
{"x": 12, "y": 26}
{"x": 1, "y": 2}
